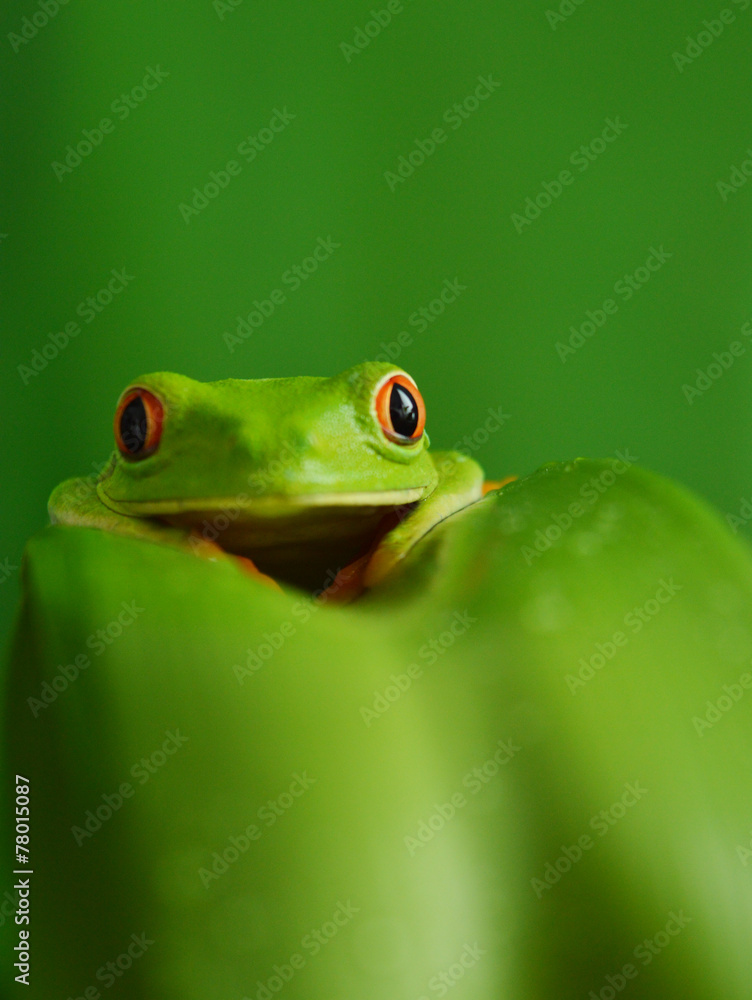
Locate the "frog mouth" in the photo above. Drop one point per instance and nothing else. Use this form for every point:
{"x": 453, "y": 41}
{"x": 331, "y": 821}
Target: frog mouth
{"x": 296, "y": 539}
{"x": 269, "y": 508}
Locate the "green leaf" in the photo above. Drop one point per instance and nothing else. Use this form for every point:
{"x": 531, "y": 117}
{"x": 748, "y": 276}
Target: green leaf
{"x": 490, "y": 770}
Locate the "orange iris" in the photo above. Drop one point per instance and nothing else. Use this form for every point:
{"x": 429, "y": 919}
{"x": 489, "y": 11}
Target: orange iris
{"x": 401, "y": 410}
{"x": 138, "y": 423}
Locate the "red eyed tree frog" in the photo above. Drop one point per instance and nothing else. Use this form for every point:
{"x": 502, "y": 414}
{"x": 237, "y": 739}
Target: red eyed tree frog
{"x": 299, "y": 477}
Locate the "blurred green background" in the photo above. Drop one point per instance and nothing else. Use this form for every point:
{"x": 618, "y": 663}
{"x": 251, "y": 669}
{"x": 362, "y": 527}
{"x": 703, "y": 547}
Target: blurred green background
{"x": 220, "y": 72}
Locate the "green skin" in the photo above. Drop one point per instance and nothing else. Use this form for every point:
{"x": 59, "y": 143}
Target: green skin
{"x": 300, "y": 468}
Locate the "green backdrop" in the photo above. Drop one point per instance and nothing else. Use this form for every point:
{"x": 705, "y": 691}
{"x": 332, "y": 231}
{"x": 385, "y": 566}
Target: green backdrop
{"x": 319, "y": 106}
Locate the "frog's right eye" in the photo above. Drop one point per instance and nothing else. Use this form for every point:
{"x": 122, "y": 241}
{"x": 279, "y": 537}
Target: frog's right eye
{"x": 138, "y": 423}
{"x": 400, "y": 409}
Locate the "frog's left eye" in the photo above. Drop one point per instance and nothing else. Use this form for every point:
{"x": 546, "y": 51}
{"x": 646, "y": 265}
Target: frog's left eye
{"x": 138, "y": 423}
{"x": 401, "y": 410}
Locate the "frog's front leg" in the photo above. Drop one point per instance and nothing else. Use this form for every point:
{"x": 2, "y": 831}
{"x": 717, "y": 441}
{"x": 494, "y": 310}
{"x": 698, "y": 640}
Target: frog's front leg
{"x": 460, "y": 484}
{"x": 76, "y": 502}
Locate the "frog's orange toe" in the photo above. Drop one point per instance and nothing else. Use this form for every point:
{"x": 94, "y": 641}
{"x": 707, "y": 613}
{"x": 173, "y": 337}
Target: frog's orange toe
{"x": 248, "y": 566}
{"x": 491, "y": 484}
{"x": 206, "y": 549}
{"x": 348, "y": 583}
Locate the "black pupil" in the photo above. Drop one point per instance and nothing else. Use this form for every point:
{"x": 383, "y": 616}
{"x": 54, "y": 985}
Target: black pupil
{"x": 133, "y": 426}
{"x": 403, "y": 410}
